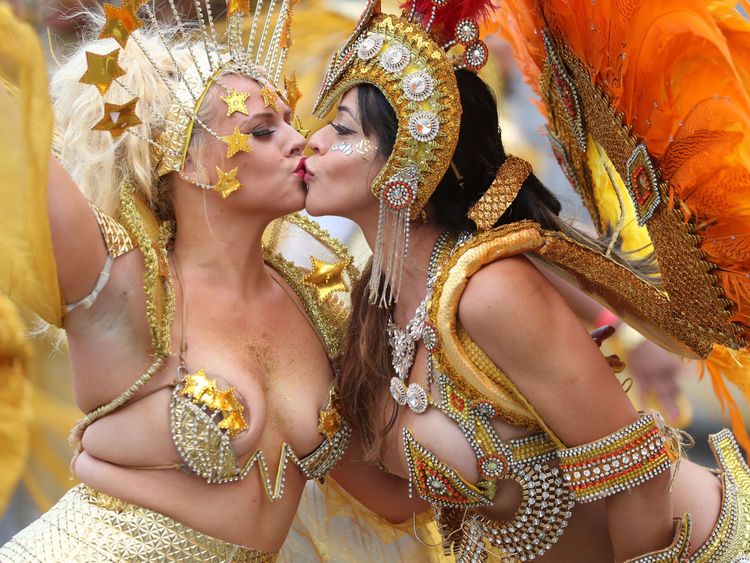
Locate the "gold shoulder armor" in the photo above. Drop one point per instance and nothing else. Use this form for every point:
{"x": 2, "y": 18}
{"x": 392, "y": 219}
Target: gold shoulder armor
{"x": 458, "y": 355}
{"x": 320, "y": 271}
{"x": 116, "y": 236}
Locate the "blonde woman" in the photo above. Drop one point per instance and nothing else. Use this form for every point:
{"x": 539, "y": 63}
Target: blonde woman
{"x": 201, "y": 355}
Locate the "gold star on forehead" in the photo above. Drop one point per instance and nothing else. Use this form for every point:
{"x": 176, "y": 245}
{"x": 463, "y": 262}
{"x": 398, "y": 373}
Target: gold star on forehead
{"x": 102, "y": 70}
{"x": 121, "y": 22}
{"x": 237, "y": 142}
{"x": 228, "y": 182}
{"x": 269, "y": 98}
{"x": 326, "y": 278}
{"x": 292, "y": 91}
{"x": 117, "y": 118}
{"x": 236, "y": 102}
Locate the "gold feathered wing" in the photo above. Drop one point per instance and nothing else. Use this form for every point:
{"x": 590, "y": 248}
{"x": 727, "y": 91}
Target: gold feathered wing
{"x": 648, "y": 111}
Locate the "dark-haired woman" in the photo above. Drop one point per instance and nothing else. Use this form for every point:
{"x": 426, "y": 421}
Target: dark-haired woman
{"x": 490, "y": 463}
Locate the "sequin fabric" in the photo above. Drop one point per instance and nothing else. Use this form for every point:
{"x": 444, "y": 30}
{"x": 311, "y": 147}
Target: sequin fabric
{"x": 87, "y": 525}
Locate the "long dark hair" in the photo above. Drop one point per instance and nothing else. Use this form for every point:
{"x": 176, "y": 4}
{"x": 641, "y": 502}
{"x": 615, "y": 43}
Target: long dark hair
{"x": 366, "y": 364}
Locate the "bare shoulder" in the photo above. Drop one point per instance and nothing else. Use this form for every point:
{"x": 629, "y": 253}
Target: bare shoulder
{"x": 505, "y": 289}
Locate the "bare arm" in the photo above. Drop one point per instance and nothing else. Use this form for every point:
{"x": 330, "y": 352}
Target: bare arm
{"x": 384, "y": 493}
{"x": 524, "y": 325}
{"x": 79, "y": 249}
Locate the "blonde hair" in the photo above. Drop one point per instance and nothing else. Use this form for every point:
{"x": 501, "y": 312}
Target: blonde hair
{"x": 96, "y": 161}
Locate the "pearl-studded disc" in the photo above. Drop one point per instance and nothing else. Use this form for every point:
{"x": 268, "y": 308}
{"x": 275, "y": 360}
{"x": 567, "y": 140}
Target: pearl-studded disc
{"x": 430, "y": 337}
{"x": 369, "y": 46}
{"x": 475, "y": 55}
{"x": 418, "y": 86}
{"x": 398, "y": 195}
{"x": 424, "y": 126}
{"x": 395, "y": 58}
{"x": 467, "y": 31}
{"x": 492, "y": 466}
{"x": 398, "y": 391}
{"x": 416, "y": 398}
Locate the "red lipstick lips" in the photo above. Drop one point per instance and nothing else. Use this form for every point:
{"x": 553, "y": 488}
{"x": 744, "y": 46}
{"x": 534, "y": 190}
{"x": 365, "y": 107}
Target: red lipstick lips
{"x": 301, "y": 171}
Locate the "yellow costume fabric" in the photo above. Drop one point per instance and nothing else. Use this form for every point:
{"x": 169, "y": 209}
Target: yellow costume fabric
{"x": 332, "y": 526}
{"x": 86, "y": 525}
{"x": 28, "y": 274}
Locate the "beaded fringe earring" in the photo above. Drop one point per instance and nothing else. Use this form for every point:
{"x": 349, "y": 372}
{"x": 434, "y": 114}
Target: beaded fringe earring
{"x": 394, "y": 218}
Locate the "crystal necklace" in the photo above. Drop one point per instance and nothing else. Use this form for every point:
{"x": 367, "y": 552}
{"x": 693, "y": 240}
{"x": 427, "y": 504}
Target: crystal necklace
{"x": 403, "y": 343}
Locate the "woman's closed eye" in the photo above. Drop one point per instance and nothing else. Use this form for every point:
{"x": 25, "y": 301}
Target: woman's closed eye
{"x": 263, "y": 132}
{"x": 341, "y": 129}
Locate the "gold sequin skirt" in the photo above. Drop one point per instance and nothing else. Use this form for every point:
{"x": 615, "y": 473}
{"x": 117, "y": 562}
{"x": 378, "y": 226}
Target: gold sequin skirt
{"x": 89, "y": 526}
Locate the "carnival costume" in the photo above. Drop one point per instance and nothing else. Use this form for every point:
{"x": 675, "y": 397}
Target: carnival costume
{"x": 87, "y": 525}
{"x": 662, "y": 168}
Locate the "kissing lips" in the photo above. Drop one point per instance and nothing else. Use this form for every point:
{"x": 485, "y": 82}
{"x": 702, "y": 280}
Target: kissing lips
{"x": 301, "y": 170}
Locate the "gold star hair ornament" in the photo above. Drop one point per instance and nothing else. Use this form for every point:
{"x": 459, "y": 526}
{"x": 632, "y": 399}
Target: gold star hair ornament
{"x": 326, "y": 278}
{"x": 237, "y": 142}
{"x": 254, "y": 45}
{"x": 407, "y": 58}
{"x": 120, "y": 23}
{"x": 227, "y": 183}
{"x": 269, "y": 97}
{"x": 101, "y": 70}
{"x": 236, "y": 101}
{"x": 118, "y": 118}
{"x": 292, "y": 93}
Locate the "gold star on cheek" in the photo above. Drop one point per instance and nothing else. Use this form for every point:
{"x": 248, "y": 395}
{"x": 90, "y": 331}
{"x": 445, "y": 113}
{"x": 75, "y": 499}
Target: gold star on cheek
{"x": 237, "y": 142}
{"x": 117, "y": 118}
{"x": 102, "y": 70}
{"x": 236, "y": 102}
{"x": 121, "y": 22}
{"x": 292, "y": 91}
{"x": 269, "y": 98}
{"x": 326, "y": 278}
{"x": 228, "y": 182}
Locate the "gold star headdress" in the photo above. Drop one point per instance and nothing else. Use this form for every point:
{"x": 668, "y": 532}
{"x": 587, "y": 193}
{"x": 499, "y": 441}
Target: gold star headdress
{"x": 412, "y": 59}
{"x": 255, "y": 45}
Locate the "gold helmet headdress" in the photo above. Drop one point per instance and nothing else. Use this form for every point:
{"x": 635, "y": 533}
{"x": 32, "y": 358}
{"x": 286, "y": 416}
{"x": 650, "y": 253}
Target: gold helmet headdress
{"x": 255, "y": 45}
{"x": 407, "y": 58}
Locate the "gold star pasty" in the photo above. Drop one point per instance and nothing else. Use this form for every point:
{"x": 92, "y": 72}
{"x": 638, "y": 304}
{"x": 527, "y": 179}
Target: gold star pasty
{"x": 233, "y": 422}
{"x": 269, "y": 98}
{"x": 101, "y": 70}
{"x": 329, "y": 422}
{"x": 237, "y": 142}
{"x": 121, "y": 22}
{"x": 228, "y": 182}
{"x": 199, "y": 387}
{"x": 117, "y": 118}
{"x": 235, "y": 101}
{"x": 326, "y": 278}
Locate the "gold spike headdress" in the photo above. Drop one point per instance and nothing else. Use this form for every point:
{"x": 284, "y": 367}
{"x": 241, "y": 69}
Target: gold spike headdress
{"x": 255, "y": 45}
{"x": 407, "y": 58}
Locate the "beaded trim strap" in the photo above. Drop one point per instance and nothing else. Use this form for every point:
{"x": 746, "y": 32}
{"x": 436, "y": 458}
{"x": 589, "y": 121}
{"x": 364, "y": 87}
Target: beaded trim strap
{"x": 620, "y": 461}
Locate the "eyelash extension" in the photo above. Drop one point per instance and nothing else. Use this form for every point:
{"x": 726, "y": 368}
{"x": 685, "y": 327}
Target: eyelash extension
{"x": 340, "y": 129}
{"x": 262, "y": 132}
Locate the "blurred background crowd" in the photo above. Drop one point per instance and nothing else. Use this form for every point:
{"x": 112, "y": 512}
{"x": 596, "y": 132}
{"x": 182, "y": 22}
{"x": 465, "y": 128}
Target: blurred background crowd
{"x": 37, "y": 406}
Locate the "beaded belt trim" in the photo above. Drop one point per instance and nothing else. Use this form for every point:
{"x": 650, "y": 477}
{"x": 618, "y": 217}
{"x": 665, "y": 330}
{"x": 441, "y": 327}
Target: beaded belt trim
{"x": 677, "y": 552}
{"x": 620, "y": 461}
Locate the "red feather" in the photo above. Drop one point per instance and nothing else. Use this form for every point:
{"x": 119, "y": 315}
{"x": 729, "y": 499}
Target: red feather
{"x": 447, "y": 16}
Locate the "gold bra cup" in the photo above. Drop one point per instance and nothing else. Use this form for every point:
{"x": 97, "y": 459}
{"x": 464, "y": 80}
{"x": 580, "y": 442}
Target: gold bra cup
{"x": 203, "y": 420}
